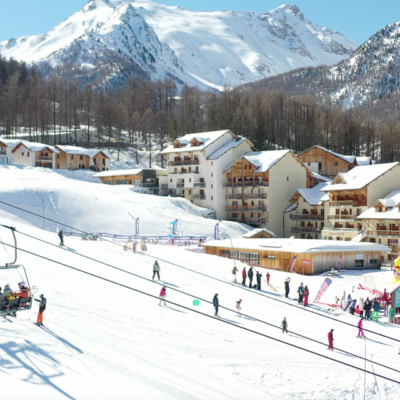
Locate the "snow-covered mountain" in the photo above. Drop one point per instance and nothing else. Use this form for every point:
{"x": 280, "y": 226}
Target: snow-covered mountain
{"x": 112, "y": 39}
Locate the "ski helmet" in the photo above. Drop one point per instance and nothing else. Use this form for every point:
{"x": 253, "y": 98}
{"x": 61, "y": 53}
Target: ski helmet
{"x": 284, "y": 317}
{"x": 42, "y": 295}
{"x": 21, "y": 283}
{"x": 332, "y": 330}
{"x": 6, "y": 286}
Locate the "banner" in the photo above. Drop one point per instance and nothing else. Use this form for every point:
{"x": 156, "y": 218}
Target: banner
{"x": 173, "y": 226}
{"x": 216, "y": 232}
{"x": 340, "y": 264}
{"x": 293, "y": 263}
{"x": 137, "y": 226}
{"x": 323, "y": 289}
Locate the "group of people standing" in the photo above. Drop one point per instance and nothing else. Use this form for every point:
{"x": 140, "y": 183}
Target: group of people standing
{"x": 249, "y": 274}
{"x": 303, "y": 293}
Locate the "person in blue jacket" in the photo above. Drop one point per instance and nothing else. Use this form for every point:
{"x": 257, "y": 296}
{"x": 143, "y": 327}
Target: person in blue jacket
{"x": 216, "y": 304}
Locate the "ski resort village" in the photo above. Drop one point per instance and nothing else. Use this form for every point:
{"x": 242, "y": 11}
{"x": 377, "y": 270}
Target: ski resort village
{"x": 198, "y": 205}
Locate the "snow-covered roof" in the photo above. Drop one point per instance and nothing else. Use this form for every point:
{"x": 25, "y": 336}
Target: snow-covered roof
{"x": 263, "y": 160}
{"x": 10, "y": 142}
{"x": 349, "y": 159}
{"x": 119, "y": 172}
{"x": 291, "y": 207}
{"x": 33, "y": 146}
{"x": 359, "y": 177}
{"x": 314, "y": 196}
{"x": 82, "y": 151}
{"x": 391, "y": 201}
{"x": 363, "y": 160}
{"x": 227, "y": 146}
{"x": 320, "y": 177}
{"x": 299, "y": 245}
{"x": 258, "y": 230}
{"x": 206, "y": 138}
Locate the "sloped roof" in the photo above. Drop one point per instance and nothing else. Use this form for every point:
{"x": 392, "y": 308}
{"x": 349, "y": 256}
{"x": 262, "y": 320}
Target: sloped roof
{"x": 291, "y": 207}
{"x": 392, "y": 200}
{"x": 263, "y": 160}
{"x": 11, "y": 142}
{"x": 205, "y": 137}
{"x": 359, "y": 177}
{"x": 82, "y": 151}
{"x": 258, "y": 230}
{"x": 226, "y": 147}
{"x": 119, "y": 172}
{"x": 314, "y": 196}
{"x": 33, "y": 146}
{"x": 320, "y": 177}
{"x": 363, "y": 160}
{"x": 349, "y": 159}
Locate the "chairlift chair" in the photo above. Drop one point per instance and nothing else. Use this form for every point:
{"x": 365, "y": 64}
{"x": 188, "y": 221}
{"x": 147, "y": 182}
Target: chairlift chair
{"x": 19, "y": 304}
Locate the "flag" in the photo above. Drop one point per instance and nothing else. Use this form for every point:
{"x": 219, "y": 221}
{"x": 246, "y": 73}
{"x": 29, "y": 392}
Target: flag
{"x": 216, "y": 232}
{"x": 293, "y": 263}
{"x": 173, "y": 226}
{"x": 323, "y": 289}
{"x": 340, "y": 264}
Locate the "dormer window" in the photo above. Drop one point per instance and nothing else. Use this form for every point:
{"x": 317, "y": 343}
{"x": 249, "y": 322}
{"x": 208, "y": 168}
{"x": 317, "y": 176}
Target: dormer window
{"x": 194, "y": 142}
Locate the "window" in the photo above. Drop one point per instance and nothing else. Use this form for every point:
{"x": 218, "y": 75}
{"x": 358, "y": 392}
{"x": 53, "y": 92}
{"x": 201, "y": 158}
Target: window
{"x": 212, "y": 174}
{"x": 190, "y": 179}
{"x": 211, "y": 198}
{"x": 358, "y": 211}
{"x": 72, "y": 157}
{"x": 190, "y": 191}
{"x": 23, "y": 153}
{"x": 335, "y": 163}
{"x": 58, "y": 156}
{"x": 212, "y": 163}
{"x": 109, "y": 182}
{"x": 170, "y": 180}
{"x": 373, "y": 261}
{"x": 212, "y": 186}
{"x": 287, "y": 178}
{"x": 393, "y": 242}
{"x": 81, "y": 157}
{"x": 27, "y": 153}
{"x": 123, "y": 182}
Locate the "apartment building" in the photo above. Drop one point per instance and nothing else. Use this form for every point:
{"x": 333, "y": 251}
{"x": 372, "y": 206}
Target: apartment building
{"x": 305, "y": 217}
{"x": 155, "y": 180}
{"x": 196, "y": 163}
{"x": 74, "y": 157}
{"x": 381, "y": 224}
{"x": 258, "y": 186}
{"x": 352, "y": 193}
{"x": 328, "y": 163}
{"x": 6, "y": 148}
{"x": 35, "y": 154}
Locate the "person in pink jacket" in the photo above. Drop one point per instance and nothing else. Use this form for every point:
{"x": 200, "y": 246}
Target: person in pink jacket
{"x": 163, "y": 295}
{"x": 238, "y": 308}
{"x": 360, "y": 330}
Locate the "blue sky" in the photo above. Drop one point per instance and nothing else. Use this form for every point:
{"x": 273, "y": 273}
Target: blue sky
{"x": 357, "y": 19}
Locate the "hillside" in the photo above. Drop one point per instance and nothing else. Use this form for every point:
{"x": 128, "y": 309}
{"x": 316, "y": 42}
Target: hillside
{"x": 109, "y": 40}
{"x": 103, "y": 341}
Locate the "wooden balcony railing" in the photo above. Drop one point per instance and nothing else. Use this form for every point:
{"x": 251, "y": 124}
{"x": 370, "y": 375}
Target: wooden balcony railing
{"x": 246, "y": 183}
{"x": 199, "y": 184}
{"x": 313, "y": 217}
{"x": 245, "y": 208}
{"x": 183, "y": 172}
{"x": 342, "y": 217}
{"x": 200, "y": 196}
{"x": 246, "y": 196}
{"x": 253, "y": 221}
{"x": 372, "y": 233}
{"x": 348, "y": 203}
{"x": 301, "y": 229}
{"x": 183, "y": 162}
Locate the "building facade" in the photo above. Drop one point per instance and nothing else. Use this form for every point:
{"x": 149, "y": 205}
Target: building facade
{"x": 35, "y": 155}
{"x": 196, "y": 163}
{"x": 73, "y": 157}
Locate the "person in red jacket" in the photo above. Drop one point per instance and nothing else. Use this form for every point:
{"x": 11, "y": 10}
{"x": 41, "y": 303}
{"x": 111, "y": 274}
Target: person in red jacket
{"x": 330, "y": 338}
{"x": 244, "y": 276}
{"x": 24, "y": 292}
{"x": 268, "y": 275}
{"x": 385, "y": 296}
{"x": 306, "y": 294}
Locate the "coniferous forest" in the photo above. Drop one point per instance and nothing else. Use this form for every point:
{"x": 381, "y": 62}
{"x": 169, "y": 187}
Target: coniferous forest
{"x": 158, "y": 111}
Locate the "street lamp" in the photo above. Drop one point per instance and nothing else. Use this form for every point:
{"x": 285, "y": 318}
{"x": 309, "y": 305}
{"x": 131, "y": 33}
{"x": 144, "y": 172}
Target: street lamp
{"x": 233, "y": 252}
{"x": 43, "y": 208}
{"x": 136, "y": 222}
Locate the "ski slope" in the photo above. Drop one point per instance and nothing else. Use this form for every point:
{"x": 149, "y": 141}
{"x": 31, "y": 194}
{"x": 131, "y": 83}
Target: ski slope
{"x": 94, "y": 207}
{"x": 104, "y": 341}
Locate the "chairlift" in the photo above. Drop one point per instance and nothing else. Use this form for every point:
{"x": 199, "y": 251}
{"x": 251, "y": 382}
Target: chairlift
{"x": 18, "y": 304}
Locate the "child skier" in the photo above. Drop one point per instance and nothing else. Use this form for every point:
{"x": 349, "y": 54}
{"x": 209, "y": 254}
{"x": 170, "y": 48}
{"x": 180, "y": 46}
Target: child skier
{"x": 306, "y": 294}
{"x": 284, "y": 325}
{"x": 330, "y": 339}
{"x": 238, "y": 308}
{"x": 163, "y": 295}
{"x": 360, "y": 330}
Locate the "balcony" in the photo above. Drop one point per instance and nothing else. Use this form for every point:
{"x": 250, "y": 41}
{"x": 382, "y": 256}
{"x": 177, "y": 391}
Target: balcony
{"x": 246, "y": 196}
{"x": 246, "y": 183}
{"x": 199, "y": 184}
{"x": 164, "y": 186}
{"x": 148, "y": 185}
{"x": 183, "y": 172}
{"x": 180, "y": 185}
{"x": 348, "y": 203}
{"x": 245, "y": 208}
{"x": 251, "y": 221}
{"x": 303, "y": 229}
{"x": 342, "y": 217}
{"x": 333, "y": 229}
{"x": 183, "y": 162}
{"x": 381, "y": 233}
{"x": 200, "y": 196}
{"x": 43, "y": 158}
{"x": 313, "y": 217}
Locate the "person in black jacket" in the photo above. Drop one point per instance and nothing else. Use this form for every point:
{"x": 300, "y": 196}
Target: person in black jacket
{"x": 216, "y": 304}
{"x": 258, "y": 277}
{"x": 42, "y": 307}
{"x": 250, "y": 274}
{"x": 61, "y": 236}
{"x": 287, "y": 288}
{"x": 284, "y": 325}
{"x": 300, "y": 292}
{"x": 367, "y": 309}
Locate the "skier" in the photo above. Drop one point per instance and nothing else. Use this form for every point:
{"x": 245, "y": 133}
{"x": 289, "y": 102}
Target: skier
{"x": 244, "y": 275}
{"x": 353, "y": 306}
{"x": 234, "y": 274}
{"x": 238, "y": 308}
{"x": 376, "y": 307}
{"x": 156, "y": 270}
{"x": 284, "y": 325}
{"x": 300, "y": 292}
{"x": 360, "y": 330}
{"x": 385, "y": 296}
{"x": 24, "y": 292}
{"x": 258, "y": 277}
{"x": 163, "y": 295}
{"x": 61, "y": 236}
{"x": 250, "y": 274}
{"x": 268, "y": 275}
{"x": 349, "y": 300}
{"x": 216, "y": 304}
{"x": 361, "y": 307}
{"x": 42, "y": 307}
{"x": 287, "y": 288}
{"x": 306, "y": 294}
{"x": 330, "y": 339}
{"x": 367, "y": 308}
